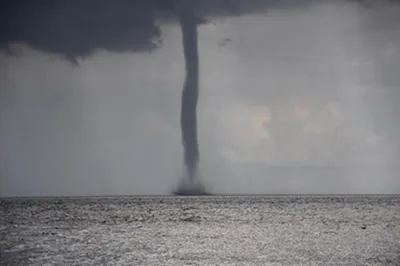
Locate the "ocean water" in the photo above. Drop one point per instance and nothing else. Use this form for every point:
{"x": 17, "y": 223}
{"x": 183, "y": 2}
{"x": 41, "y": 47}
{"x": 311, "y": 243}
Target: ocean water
{"x": 211, "y": 230}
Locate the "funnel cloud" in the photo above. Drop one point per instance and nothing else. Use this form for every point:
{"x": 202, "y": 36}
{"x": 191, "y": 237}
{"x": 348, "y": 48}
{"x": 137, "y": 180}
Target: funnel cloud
{"x": 190, "y": 93}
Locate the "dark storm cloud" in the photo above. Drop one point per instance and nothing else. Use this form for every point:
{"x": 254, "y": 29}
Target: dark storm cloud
{"x": 77, "y": 28}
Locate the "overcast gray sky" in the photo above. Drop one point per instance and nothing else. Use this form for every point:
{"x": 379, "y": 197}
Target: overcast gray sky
{"x": 297, "y": 101}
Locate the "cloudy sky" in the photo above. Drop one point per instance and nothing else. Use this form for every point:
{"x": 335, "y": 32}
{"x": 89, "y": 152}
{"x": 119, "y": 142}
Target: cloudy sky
{"x": 299, "y": 100}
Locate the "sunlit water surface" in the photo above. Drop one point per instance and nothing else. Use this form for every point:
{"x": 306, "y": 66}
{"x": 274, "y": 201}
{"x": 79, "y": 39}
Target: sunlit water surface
{"x": 228, "y": 230}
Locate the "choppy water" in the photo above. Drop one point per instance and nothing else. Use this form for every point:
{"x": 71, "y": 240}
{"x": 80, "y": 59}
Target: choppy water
{"x": 201, "y": 231}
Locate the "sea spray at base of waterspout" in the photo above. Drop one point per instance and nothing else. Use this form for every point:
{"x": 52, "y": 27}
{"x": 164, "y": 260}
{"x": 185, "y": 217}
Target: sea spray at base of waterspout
{"x": 191, "y": 187}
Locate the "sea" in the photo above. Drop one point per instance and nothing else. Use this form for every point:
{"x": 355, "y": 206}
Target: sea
{"x": 202, "y": 230}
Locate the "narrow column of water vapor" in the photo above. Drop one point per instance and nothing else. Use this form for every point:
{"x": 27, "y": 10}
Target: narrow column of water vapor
{"x": 190, "y": 91}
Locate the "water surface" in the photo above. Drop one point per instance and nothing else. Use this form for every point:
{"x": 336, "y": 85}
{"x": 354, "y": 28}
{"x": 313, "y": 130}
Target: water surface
{"x": 215, "y": 230}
